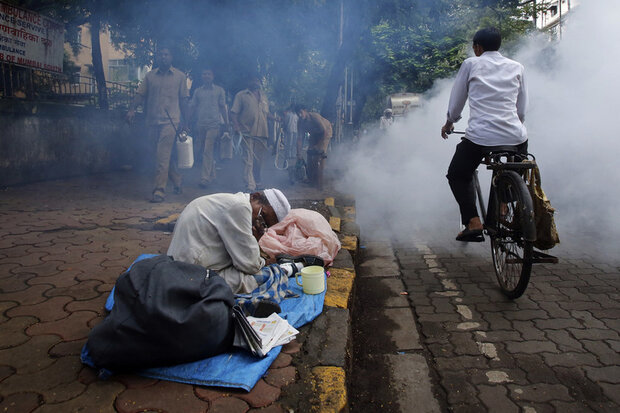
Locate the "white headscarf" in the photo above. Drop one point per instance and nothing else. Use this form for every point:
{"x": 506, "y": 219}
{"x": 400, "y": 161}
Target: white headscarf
{"x": 278, "y": 202}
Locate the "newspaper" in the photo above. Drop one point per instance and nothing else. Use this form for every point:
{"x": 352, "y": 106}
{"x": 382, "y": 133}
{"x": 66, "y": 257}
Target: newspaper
{"x": 273, "y": 331}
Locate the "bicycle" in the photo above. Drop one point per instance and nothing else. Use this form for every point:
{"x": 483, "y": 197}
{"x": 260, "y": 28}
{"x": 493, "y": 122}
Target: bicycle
{"x": 509, "y": 219}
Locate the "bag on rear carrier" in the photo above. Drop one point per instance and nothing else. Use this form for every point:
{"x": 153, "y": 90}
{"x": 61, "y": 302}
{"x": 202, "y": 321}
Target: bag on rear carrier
{"x": 546, "y": 232}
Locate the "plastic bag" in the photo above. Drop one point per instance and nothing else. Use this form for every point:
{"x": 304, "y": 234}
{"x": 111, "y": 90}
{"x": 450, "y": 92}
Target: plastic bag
{"x": 302, "y": 232}
{"x": 546, "y": 231}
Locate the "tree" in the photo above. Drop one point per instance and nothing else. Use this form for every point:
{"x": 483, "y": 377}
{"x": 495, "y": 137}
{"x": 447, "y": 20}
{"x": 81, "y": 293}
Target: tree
{"x": 296, "y": 45}
{"x": 410, "y": 44}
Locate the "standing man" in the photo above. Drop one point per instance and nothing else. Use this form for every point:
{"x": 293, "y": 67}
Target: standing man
{"x": 249, "y": 114}
{"x": 386, "y": 120}
{"x": 495, "y": 87}
{"x": 320, "y": 130}
{"x": 290, "y": 128}
{"x": 164, "y": 90}
{"x": 209, "y": 106}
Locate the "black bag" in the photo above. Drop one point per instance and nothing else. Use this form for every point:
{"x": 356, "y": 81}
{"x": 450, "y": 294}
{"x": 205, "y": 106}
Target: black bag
{"x": 297, "y": 173}
{"x": 165, "y": 312}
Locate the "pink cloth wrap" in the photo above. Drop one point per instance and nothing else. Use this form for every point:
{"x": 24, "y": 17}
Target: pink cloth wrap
{"x": 302, "y": 232}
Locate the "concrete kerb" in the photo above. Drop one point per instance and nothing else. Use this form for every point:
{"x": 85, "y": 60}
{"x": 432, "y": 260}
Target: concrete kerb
{"x": 331, "y": 373}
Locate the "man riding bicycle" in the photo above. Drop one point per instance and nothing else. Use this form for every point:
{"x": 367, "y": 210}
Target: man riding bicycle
{"x": 497, "y": 95}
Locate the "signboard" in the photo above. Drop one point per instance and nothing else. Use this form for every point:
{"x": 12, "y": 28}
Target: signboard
{"x": 401, "y": 103}
{"x": 30, "y": 39}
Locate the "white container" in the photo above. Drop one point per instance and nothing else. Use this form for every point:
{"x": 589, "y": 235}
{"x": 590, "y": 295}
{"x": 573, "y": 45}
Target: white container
{"x": 312, "y": 279}
{"x": 185, "y": 151}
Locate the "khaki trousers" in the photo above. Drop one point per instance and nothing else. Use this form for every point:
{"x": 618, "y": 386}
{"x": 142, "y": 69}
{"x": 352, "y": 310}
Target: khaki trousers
{"x": 207, "y": 173}
{"x": 254, "y": 150}
{"x": 166, "y": 165}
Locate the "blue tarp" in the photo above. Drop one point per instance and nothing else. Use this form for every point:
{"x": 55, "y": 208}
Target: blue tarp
{"x": 237, "y": 369}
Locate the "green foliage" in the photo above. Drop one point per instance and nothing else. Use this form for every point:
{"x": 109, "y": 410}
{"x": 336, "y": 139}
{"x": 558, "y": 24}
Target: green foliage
{"x": 391, "y": 45}
{"x": 431, "y": 42}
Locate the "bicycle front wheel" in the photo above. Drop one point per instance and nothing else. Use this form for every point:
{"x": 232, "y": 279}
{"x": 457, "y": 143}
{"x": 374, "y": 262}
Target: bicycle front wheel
{"x": 511, "y": 251}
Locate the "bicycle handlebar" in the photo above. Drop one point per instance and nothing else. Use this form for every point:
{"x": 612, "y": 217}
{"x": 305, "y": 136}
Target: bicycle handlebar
{"x": 458, "y": 132}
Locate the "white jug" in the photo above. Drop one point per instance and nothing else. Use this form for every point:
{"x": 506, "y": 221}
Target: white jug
{"x": 185, "y": 151}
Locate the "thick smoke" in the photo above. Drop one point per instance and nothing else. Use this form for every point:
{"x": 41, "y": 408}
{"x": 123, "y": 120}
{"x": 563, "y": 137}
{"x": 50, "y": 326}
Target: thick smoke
{"x": 399, "y": 178}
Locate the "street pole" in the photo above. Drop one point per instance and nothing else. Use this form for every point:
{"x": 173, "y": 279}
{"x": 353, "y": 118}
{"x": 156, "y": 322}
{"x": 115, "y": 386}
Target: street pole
{"x": 345, "y": 101}
{"x": 351, "y": 101}
{"x": 560, "y": 23}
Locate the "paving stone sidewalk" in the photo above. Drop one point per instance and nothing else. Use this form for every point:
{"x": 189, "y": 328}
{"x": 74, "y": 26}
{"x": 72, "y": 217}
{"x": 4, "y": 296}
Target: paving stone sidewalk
{"x": 557, "y": 348}
{"x": 63, "y": 245}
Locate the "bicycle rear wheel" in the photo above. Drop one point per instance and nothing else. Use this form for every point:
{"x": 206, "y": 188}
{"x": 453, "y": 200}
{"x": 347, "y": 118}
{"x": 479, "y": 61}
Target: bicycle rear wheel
{"x": 512, "y": 253}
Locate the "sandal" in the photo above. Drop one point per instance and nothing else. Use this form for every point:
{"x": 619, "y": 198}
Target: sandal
{"x": 306, "y": 260}
{"x": 157, "y": 199}
{"x": 470, "y": 235}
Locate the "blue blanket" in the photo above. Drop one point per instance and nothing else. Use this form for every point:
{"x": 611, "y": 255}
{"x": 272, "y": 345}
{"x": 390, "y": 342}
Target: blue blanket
{"x": 237, "y": 369}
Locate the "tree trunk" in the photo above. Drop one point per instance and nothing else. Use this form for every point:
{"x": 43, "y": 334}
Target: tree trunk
{"x": 95, "y": 28}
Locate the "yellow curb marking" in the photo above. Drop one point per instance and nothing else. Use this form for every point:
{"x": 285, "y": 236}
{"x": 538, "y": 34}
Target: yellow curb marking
{"x": 331, "y": 388}
{"x": 334, "y": 222}
{"x": 338, "y": 291}
{"x": 167, "y": 220}
{"x": 349, "y": 242}
{"x": 341, "y": 272}
{"x": 349, "y": 213}
{"x": 329, "y": 201}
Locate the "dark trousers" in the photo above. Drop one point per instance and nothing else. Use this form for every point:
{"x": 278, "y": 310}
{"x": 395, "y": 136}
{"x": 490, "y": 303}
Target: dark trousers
{"x": 465, "y": 161}
{"x": 315, "y": 166}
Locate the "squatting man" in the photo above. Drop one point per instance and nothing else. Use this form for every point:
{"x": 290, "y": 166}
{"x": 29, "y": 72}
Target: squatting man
{"x": 221, "y": 231}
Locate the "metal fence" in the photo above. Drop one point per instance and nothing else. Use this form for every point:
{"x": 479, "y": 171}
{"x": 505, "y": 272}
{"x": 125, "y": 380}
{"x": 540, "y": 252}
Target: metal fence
{"x": 18, "y": 82}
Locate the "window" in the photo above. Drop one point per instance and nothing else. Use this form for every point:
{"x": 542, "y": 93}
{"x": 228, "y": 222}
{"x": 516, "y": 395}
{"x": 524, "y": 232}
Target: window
{"x": 75, "y": 37}
{"x": 553, "y": 10}
{"x": 122, "y": 70}
{"x": 76, "y": 77}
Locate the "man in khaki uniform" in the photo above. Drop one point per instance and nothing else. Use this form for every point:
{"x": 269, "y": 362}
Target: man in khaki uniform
{"x": 164, "y": 90}
{"x": 249, "y": 114}
{"x": 209, "y": 105}
{"x": 320, "y": 130}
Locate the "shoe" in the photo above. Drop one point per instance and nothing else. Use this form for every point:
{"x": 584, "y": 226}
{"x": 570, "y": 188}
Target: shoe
{"x": 306, "y": 260}
{"x": 265, "y": 308}
{"x": 204, "y": 185}
{"x": 178, "y": 190}
{"x": 470, "y": 235}
{"x": 157, "y": 199}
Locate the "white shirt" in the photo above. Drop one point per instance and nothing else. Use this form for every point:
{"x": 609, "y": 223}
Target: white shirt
{"x": 215, "y": 231}
{"x": 385, "y": 122}
{"x": 290, "y": 122}
{"x": 497, "y": 96}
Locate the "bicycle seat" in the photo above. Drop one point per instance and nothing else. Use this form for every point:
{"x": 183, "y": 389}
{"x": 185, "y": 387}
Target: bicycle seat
{"x": 511, "y": 149}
